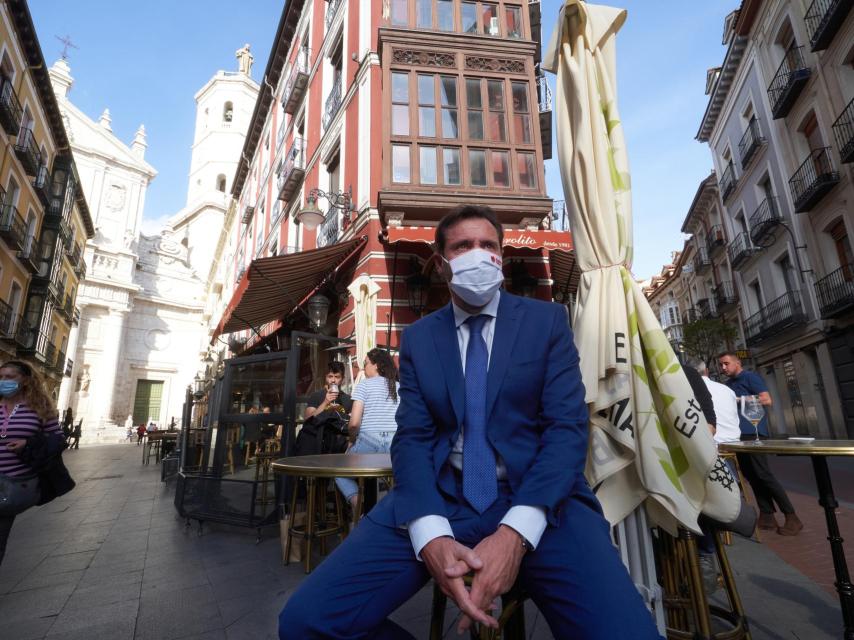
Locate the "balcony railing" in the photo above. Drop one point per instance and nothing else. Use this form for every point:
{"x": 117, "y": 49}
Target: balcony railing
{"x": 724, "y": 295}
{"x": 823, "y": 19}
{"x": 59, "y": 366}
{"x": 836, "y": 291}
{"x": 740, "y": 250}
{"x": 333, "y": 103}
{"x": 329, "y": 230}
{"x": 12, "y": 227}
{"x": 706, "y": 308}
{"x": 80, "y": 268}
{"x": 50, "y": 355}
{"x": 331, "y": 10}
{"x": 774, "y": 318}
{"x": 10, "y": 108}
{"x": 728, "y": 181}
{"x": 29, "y": 254}
{"x": 813, "y": 179}
{"x": 843, "y": 131}
{"x": 764, "y": 220}
{"x": 791, "y": 76}
{"x": 750, "y": 142}
{"x": 28, "y": 338}
{"x": 28, "y": 152}
{"x": 297, "y": 82}
{"x": 7, "y": 321}
{"x": 690, "y": 315}
{"x": 41, "y": 184}
{"x": 702, "y": 260}
{"x": 716, "y": 239}
{"x": 67, "y": 309}
{"x": 559, "y": 215}
{"x": 293, "y": 170}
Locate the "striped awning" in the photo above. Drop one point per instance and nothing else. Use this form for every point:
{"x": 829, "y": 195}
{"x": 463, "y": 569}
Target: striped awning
{"x": 565, "y": 273}
{"x": 273, "y": 287}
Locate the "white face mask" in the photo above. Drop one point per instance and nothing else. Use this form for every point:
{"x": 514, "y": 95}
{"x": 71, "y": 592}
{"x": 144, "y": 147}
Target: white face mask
{"x": 477, "y": 276}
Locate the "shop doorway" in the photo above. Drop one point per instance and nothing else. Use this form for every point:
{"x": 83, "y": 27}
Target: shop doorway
{"x": 147, "y": 400}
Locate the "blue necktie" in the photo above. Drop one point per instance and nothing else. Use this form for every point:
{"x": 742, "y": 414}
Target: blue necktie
{"x": 480, "y": 486}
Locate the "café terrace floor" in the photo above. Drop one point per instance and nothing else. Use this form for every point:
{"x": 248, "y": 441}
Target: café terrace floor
{"x": 112, "y": 560}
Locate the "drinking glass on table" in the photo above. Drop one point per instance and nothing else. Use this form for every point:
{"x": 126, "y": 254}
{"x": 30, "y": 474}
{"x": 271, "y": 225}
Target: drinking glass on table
{"x": 754, "y": 412}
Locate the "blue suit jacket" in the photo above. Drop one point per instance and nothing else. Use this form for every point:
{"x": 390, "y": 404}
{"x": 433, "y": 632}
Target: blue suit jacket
{"x": 536, "y": 415}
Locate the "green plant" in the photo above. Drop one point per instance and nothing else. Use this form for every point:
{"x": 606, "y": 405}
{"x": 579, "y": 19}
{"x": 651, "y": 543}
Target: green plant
{"x": 706, "y": 338}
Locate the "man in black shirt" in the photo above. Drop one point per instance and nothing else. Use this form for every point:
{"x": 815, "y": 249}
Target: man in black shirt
{"x": 320, "y": 402}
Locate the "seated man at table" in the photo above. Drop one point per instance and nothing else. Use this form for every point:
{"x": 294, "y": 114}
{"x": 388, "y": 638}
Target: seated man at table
{"x": 488, "y": 460}
{"x": 330, "y": 397}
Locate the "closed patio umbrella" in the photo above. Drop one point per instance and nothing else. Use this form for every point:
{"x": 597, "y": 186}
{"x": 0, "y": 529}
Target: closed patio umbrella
{"x": 649, "y": 444}
{"x": 364, "y": 291}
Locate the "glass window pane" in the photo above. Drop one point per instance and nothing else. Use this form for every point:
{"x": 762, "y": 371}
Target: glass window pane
{"x": 473, "y": 99}
{"x": 449, "y": 123}
{"x": 522, "y": 128}
{"x": 451, "y": 165}
{"x": 426, "y": 90}
{"x": 520, "y": 97}
{"x": 500, "y": 169}
{"x": 477, "y": 167}
{"x": 400, "y": 119}
{"x": 445, "y": 14}
{"x": 400, "y": 13}
{"x": 468, "y": 13}
{"x": 497, "y": 130}
{"x": 428, "y": 165}
{"x": 513, "y": 20}
{"x": 400, "y": 163}
{"x": 448, "y": 86}
{"x": 400, "y": 87}
{"x": 527, "y": 174}
{"x": 495, "y": 93}
{"x": 427, "y": 122}
{"x": 490, "y": 19}
{"x": 424, "y": 13}
{"x": 475, "y": 125}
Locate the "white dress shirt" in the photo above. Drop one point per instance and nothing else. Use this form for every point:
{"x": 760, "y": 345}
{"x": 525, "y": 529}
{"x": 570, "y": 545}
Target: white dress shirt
{"x": 726, "y": 411}
{"x": 528, "y": 521}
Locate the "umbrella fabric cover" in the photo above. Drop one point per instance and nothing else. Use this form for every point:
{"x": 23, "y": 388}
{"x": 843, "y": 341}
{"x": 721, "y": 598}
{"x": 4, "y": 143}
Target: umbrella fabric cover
{"x": 649, "y": 443}
{"x": 364, "y": 291}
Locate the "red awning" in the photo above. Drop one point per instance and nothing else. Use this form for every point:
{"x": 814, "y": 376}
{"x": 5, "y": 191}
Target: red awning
{"x": 518, "y": 238}
{"x": 273, "y": 287}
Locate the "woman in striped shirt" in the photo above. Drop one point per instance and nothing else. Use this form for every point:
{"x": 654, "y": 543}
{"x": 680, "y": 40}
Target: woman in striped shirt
{"x": 372, "y": 422}
{"x": 24, "y": 409}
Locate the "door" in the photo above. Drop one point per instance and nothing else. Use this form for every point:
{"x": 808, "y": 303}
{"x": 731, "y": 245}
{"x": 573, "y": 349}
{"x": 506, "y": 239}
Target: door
{"x": 146, "y": 402}
{"x": 841, "y": 344}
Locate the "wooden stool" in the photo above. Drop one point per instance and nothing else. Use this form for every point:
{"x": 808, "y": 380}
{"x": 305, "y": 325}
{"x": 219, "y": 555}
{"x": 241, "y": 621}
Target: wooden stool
{"x": 511, "y": 622}
{"x": 687, "y": 610}
{"x": 742, "y": 486}
{"x": 315, "y": 504}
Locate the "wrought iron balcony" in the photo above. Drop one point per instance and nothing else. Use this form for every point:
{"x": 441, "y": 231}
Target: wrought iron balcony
{"x": 329, "y": 231}
{"x": 28, "y": 152}
{"x": 706, "y": 308}
{"x": 297, "y": 82}
{"x": 29, "y": 254}
{"x": 843, "y": 131}
{"x": 80, "y": 268}
{"x": 813, "y": 179}
{"x": 836, "y": 291}
{"x": 50, "y": 355}
{"x": 7, "y": 321}
{"x": 28, "y": 338}
{"x": 788, "y": 82}
{"x": 740, "y": 250}
{"x": 331, "y": 10}
{"x": 702, "y": 260}
{"x": 67, "y": 309}
{"x": 12, "y": 227}
{"x": 728, "y": 181}
{"x": 41, "y": 184}
{"x": 248, "y": 212}
{"x": 544, "y": 99}
{"x": 293, "y": 170}
{"x": 724, "y": 295}
{"x": 333, "y": 103}
{"x": 750, "y": 142}
{"x": 690, "y": 315}
{"x": 715, "y": 240}
{"x": 823, "y": 19}
{"x": 10, "y": 108}
{"x": 774, "y": 318}
{"x": 764, "y": 220}
{"x": 59, "y": 366}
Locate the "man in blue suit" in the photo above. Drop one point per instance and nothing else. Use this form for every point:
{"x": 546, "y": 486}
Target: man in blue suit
{"x": 488, "y": 465}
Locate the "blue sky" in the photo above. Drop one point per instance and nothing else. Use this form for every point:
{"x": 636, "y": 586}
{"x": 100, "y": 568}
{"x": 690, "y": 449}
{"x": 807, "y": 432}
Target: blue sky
{"x": 145, "y": 60}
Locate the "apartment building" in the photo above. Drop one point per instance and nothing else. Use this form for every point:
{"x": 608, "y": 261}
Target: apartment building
{"x": 372, "y": 121}
{"x": 776, "y": 107}
{"x": 44, "y": 219}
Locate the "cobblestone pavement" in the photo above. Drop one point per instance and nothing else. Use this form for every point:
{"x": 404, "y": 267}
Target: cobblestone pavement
{"x": 111, "y": 560}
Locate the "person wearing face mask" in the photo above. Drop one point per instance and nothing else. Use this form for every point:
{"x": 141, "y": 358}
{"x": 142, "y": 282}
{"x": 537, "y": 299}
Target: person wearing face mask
{"x": 25, "y": 409}
{"x": 488, "y": 462}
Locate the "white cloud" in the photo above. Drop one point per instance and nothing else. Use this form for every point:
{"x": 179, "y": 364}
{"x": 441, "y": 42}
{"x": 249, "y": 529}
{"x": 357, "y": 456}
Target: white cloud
{"x": 153, "y": 226}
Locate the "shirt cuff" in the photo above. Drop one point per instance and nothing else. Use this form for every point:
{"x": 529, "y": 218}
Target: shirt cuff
{"x": 529, "y": 522}
{"x": 426, "y": 528}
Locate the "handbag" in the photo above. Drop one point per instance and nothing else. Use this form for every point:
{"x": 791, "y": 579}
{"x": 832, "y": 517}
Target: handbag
{"x": 43, "y": 452}
{"x": 17, "y": 494}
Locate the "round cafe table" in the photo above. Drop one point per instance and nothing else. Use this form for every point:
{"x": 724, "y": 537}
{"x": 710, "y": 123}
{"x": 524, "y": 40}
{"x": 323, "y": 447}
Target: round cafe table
{"x": 818, "y": 451}
{"x": 359, "y": 466}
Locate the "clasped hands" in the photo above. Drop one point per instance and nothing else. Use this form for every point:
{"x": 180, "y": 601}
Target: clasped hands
{"x": 495, "y": 562}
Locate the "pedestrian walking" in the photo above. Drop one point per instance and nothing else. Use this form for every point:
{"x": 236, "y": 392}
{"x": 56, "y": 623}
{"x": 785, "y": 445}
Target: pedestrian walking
{"x": 30, "y": 436}
{"x": 757, "y": 468}
{"x": 140, "y": 434}
{"x": 75, "y": 435}
{"x": 67, "y": 422}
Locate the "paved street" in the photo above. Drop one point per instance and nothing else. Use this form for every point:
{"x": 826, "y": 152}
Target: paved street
{"x": 113, "y": 561}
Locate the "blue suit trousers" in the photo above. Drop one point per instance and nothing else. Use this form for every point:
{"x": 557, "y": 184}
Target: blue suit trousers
{"x": 575, "y": 577}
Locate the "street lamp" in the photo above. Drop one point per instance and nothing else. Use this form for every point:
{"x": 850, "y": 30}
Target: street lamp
{"x": 318, "y": 310}
{"x": 198, "y": 387}
{"x": 311, "y": 216}
{"x": 418, "y": 288}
